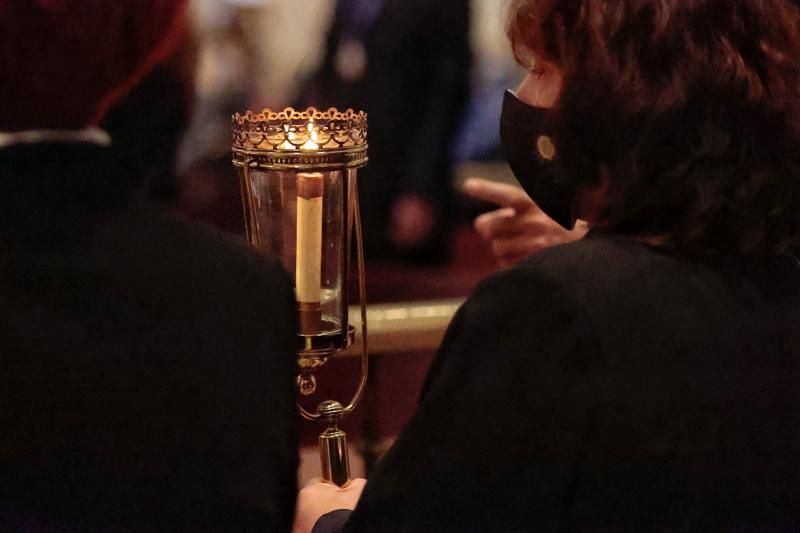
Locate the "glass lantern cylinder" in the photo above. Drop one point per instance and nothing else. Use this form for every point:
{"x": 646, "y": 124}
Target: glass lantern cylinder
{"x": 304, "y": 219}
{"x": 299, "y": 190}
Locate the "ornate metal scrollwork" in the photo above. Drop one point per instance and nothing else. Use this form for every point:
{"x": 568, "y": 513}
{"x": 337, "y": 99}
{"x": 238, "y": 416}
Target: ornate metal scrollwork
{"x": 292, "y": 139}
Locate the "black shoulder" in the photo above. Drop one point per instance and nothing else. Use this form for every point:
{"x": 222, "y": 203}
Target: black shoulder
{"x": 571, "y": 287}
{"x": 168, "y": 269}
{"x": 562, "y": 271}
{"x": 590, "y": 256}
{"x": 213, "y": 260}
{"x": 532, "y": 304}
{"x": 599, "y": 269}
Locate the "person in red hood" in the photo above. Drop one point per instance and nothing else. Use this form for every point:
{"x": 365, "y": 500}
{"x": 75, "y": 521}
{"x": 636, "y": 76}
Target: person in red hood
{"x": 146, "y": 362}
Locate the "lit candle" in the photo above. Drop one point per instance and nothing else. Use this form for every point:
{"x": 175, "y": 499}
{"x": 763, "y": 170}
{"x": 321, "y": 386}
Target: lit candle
{"x": 308, "y": 271}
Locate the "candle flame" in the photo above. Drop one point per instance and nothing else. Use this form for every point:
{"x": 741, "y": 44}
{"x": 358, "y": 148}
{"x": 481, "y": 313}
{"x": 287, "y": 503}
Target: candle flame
{"x": 311, "y": 144}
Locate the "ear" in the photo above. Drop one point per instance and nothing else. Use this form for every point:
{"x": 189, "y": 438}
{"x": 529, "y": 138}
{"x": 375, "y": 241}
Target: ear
{"x": 541, "y": 87}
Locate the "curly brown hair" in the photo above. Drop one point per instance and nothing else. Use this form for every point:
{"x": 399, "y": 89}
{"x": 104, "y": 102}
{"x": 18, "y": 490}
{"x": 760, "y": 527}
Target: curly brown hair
{"x": 692, "y": 107}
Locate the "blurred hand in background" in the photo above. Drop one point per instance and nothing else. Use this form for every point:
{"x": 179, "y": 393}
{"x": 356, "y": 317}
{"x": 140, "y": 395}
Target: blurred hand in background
{"x": 518, "y": 228}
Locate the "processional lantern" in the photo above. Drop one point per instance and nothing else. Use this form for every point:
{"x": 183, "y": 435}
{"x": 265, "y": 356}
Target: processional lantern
{"x": 298, "y": 172}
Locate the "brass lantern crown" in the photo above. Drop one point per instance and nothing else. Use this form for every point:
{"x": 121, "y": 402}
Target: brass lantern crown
{"x": 300, "y": 140}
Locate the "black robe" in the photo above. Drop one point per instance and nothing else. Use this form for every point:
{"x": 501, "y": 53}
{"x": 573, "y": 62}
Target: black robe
{"x": 601, "y": 385}
{"x": 146, "y": 363}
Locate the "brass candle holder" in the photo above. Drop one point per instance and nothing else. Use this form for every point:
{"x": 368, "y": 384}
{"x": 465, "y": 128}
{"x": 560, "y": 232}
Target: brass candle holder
{"x": 298, "y": 173}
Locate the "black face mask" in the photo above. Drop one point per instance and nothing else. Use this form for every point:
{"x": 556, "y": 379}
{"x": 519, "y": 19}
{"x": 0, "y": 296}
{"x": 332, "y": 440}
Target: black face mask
{"x": 532, "y": 156}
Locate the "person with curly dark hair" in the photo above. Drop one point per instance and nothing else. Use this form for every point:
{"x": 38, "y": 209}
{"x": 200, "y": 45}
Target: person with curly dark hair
{"x": 643, "y": 378}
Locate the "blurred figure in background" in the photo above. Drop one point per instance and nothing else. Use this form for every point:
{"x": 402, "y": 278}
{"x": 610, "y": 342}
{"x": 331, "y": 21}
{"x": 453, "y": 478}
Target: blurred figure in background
{"x": 407, "y": 64}
{"x": 146, "y": 368}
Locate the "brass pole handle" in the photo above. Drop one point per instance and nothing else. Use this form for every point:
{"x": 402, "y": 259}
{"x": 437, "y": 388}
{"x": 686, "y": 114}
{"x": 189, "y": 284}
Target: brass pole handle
{"x": 333, "y": 450}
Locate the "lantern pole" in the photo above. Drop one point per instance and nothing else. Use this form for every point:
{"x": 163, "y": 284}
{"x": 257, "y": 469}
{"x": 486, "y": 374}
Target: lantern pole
{"x": 298, "y": 177}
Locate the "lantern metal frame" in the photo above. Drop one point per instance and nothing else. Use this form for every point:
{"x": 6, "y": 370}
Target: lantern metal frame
{"x": 314, "y": 141}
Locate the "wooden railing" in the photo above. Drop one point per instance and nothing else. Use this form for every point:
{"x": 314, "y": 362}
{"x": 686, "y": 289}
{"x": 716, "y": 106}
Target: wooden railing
{"x": 404, "y": 326}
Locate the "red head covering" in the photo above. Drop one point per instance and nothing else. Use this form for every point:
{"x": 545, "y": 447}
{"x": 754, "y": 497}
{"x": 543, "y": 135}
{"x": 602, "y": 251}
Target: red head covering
{"x": 65, "y": 63}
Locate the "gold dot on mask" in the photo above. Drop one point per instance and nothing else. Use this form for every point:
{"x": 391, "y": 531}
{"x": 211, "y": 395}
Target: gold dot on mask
{"x": 547, "y": 149}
